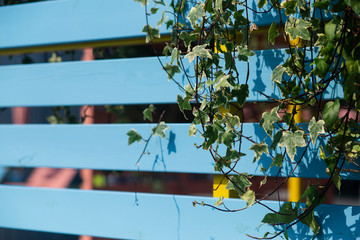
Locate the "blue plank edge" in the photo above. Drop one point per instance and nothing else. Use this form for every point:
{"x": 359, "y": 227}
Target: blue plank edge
{"x": 154, "y": 216}
{"x": 106, "y": 147}
{"x": 124, "y": 81}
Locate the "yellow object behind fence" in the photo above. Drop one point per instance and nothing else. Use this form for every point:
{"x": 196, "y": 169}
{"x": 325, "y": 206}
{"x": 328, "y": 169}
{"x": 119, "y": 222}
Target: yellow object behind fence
{"x": 294, "y": 183}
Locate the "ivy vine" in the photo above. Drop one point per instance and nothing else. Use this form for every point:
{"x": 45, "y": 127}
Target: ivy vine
{"x": 323, "y": 38}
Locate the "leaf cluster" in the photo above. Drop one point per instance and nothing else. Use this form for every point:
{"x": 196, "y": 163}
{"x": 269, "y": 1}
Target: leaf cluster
{"x": 323, "y": 52}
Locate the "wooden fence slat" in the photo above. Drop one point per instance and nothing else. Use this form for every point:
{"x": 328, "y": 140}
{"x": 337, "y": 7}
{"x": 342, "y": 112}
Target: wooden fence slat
{"x": 78, "y": 22}
{"x": 123, "y": 81}
{"x": 156, "y": 216}
{"x": 105, "y": 147}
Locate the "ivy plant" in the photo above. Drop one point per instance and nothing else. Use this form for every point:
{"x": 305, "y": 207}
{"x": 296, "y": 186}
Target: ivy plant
{"x": 323, "y": 39}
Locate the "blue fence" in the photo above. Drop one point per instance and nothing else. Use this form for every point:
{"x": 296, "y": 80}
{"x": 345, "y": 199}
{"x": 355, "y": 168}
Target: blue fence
{"x": 78, "y": 23}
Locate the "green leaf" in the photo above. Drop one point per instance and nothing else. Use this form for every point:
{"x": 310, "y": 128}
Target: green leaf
{"x": 261, "y": 3}
{"x": 200, "y": 117}
{"x": 171, "y": 70}
{"x": 239, "y": 183}
{"x": 187, "y": 38}
{"x": 133, "y": 136}
{"x": 316, "y": 128}
{"x": 175, "y": 55}
{"x": 189, "y": 90}
{"x": 277, "y": 160}
{"x": 300, "y": 30}
{"x": 162, "y": 20}
{"x": 291, "y": 140}
{"x": 218, "y": 5}
{"x": 151, "y": 33}
{"x": 249, "y": 197}
{"x": 229, "y": 61}
{"x": 184, "y": 104}
{"x": 244, "y": 53}
{"x": 160, "y": 129}
{"x": 147, "y": 113}
{"x": 240, "y": 18}
{"x": 277, "y": 74}
{"x": 259, "y": 149}
{"x": 331, "y": 113}
{"x": 310, "y": 221}
{"x": 241, "y": 93}
{"x": 355, "y": 5}
{"x": 286, "y": 215}
{"x": 199, "y": 51}
{"x": 276, "y": 140}
{"x": 143, "y": 2}
{"x": 195, "y": 13}
{"x": 231, "y": 120}
{"x": 331, "y": 29}
{"x": 289, "y": 6}
{"x": 233, "y": 154}
{"x": 161, "y": 2}
{"x": 322, "y": 40}
{"x": 211, "y": 134}
{"x": 273, "y": 33}
{"x": 227, "y": 137}
{"x": 330, "y": 162}
{"x": 336, "y": 178}
{"x": 154, "y": 10}
{"x": 219, "y": 201}
{"x": 321, "y": 67}
{"x": 223, "y": 82}
{"x": 268, "y": 119}
{"x": 192, "y": 130}
{"x": 322, "y": 4}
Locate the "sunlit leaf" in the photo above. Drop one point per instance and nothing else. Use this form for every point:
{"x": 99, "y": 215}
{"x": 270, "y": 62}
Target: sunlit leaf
{"x": 299, "y": 30}
{"x": 195, "y": 13}
{"x": 239, "y": 183}
{"x": 316, "y": 128}
{"x": 249, "y": 197}
{"x": 199, "y": 51}
{"x": 160, "y": 129}
{"x": 291, "y": 140}
{"x": 175, "y": 55}
{"x": 143, "y": 2}
{"x": 192, "y": 130}
{"x": 268, "y": 119}
{"x": 277, "y": 74}
{"x": 219, "y": 201}
{"x": 259, "y": 149}
{"x": 244, "y": 53}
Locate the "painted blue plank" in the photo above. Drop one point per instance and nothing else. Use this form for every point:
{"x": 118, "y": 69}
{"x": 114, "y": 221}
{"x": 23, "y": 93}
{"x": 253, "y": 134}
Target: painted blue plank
{"x": 126, "y": 81}
{"x": 122, "y": 81}
{"x": 156, "y": 216}
{"x": 69, "y": 21}
{"x": 105, "y": 147}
